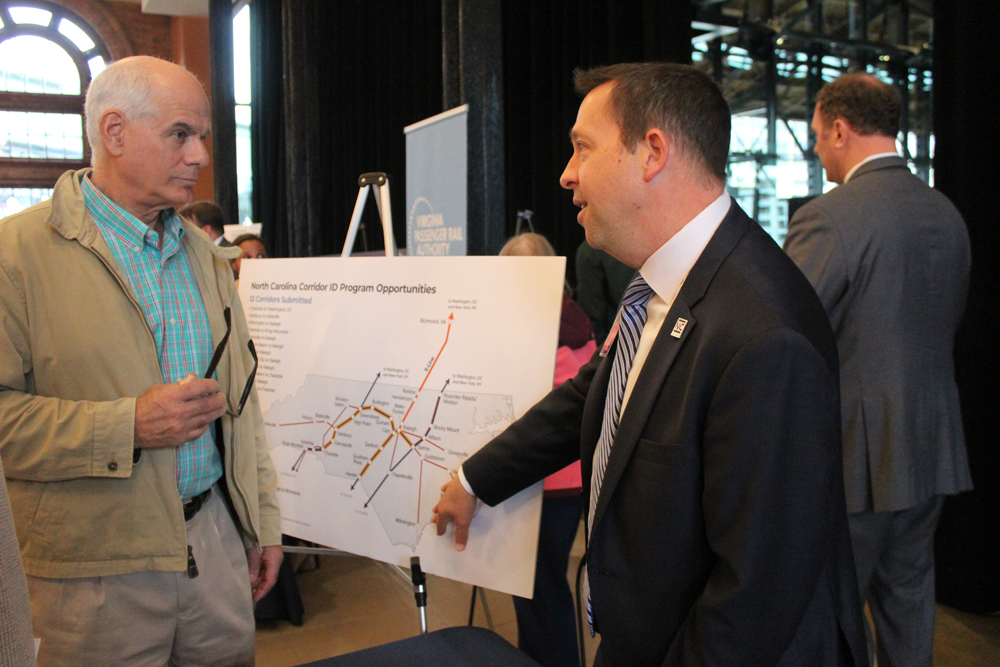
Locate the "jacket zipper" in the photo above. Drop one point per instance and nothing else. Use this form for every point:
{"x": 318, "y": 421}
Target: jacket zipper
{"x": 229, "y": 447}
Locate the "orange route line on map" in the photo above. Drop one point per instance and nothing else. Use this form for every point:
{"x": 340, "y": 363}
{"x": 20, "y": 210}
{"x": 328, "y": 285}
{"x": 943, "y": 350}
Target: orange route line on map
{"x": 375, "y": 455}
{"x": 333, "y": 434}
{"x": 420, "y": 487}
{"x": 411, "y": 443}
{"x": 381, "y": 412}
{"x": 349, "y": 419}
{"x": 423, "y": 438}
{"x": 430, "y": 370}
{"x": 392, "y": 459}
{"x": 394, "y": 431}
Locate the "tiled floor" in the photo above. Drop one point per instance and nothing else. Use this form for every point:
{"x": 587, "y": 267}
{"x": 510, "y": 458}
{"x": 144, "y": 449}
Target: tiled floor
{"x": 354, "y": 603}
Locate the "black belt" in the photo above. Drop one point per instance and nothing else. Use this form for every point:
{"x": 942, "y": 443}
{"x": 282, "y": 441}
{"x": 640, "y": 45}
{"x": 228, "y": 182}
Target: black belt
{"x": 192, "y": 505}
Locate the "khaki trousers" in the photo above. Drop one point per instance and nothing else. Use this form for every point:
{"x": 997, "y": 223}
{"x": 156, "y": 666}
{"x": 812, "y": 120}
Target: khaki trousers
{"x": 154, "y": 619}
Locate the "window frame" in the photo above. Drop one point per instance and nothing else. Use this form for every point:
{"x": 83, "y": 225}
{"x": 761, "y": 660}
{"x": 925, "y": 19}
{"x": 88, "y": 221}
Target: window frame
{"x": 35, "y": 172}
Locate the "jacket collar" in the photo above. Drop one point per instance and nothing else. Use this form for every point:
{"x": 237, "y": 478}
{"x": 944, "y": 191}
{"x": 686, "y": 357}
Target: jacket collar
{"x": 889, "y": 162}
{"x": 68, "y": 215}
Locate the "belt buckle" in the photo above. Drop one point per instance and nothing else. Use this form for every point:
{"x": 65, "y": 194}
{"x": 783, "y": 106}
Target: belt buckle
{"x": 193, "y": 505}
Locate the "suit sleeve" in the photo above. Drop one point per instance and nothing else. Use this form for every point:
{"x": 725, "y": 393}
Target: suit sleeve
{"x": 47, "y": 439}
{"x": 771, "y": 469}
{"x": 815, "y": 246}
{"x": 545, "y": 440}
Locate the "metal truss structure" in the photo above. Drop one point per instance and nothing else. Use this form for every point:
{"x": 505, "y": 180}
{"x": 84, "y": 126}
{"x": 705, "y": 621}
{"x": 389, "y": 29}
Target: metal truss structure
{"x": 771, "y": 57}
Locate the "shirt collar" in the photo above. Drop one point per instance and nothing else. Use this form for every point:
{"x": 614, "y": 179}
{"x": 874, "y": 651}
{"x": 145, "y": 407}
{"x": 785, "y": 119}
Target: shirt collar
{"x": 134, "y": 233}
{"x": 868, "y": 159}
{"x": 666, "y": 269}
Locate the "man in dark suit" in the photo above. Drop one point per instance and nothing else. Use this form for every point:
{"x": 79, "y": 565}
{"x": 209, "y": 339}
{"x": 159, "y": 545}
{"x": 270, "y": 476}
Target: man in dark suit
{"x": 889, "y": 258}
{"x": 717, "y": 526}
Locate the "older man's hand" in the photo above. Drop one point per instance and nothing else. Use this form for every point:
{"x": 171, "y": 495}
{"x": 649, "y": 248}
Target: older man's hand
{"x": 169, "y": 415}
{"x": 456, "y": 505}
{"x": 263, "y": 569}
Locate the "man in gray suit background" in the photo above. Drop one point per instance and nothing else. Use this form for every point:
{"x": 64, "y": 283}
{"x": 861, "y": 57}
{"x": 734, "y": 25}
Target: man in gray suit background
{"x": 889, "y": 258}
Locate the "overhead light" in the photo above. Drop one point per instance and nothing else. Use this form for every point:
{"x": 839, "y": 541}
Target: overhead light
{"x": 780, "y": 41}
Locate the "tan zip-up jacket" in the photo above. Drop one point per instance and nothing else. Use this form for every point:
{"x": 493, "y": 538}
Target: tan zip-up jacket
{"x": 75, "y": 351}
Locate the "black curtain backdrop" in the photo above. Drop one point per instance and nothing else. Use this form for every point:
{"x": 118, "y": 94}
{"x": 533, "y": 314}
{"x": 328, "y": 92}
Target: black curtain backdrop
{"x": 337, "y": 82}
{"x": 267, "y": 125}
{"x": 220, "y": 22}
{"x": 966, "y": 169}
{"x": 543, "y": 43}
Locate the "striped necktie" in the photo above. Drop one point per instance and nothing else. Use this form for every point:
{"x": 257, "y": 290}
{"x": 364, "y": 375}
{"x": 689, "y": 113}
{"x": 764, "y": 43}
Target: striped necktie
{"x": 632, "y": 320}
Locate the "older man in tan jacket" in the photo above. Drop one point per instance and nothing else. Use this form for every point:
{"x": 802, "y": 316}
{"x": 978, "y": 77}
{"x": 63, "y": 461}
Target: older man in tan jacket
{"x": 140, "y": 480}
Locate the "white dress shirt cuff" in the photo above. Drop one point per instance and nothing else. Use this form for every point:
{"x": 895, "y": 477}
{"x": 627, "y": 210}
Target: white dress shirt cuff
{"x": 465, "y": 482}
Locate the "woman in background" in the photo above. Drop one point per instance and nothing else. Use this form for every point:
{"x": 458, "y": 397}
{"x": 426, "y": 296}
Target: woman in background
{"x": 546, "y": 624}
{"x": 252, "y": 247}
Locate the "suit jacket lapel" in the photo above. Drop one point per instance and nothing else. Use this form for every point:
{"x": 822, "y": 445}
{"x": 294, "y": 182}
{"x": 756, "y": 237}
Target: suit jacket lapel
{"x": 662, "y": 355}
{"x": 644, "y": 395}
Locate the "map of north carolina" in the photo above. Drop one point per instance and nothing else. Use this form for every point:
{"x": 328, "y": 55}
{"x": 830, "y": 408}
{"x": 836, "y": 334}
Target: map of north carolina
{"x": 396, "y": 444}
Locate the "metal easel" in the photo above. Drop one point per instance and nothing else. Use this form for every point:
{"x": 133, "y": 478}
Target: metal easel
{"x": 524, "y": 217}
{"x": 379, "y": 181}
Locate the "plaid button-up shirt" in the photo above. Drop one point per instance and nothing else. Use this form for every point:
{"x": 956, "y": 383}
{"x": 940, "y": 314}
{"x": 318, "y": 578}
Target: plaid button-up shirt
{"x": 174, "y": 311}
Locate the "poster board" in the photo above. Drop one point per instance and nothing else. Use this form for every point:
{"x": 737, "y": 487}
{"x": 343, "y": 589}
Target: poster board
{"x": 379, "y": 376}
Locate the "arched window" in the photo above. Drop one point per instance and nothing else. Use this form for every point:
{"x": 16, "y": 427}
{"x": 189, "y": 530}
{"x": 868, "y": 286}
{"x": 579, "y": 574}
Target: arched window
{"x": 48, "y": 55}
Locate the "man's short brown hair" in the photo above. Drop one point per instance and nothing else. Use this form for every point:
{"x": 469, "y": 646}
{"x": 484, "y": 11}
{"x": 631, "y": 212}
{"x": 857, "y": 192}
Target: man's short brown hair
{"x": 869, "y": 106}
{"x": 678, "y": 99}
{"x": 204, "y": 213}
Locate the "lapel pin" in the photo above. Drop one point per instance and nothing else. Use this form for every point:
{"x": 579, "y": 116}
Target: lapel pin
{"x": 679, "y": 327}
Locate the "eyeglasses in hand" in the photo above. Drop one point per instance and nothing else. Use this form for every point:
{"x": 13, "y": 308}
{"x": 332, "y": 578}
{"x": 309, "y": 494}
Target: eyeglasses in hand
{"x": 218, "y": 356}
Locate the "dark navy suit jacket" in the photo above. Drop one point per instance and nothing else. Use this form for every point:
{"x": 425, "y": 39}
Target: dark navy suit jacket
{"x": 720, "y": 534}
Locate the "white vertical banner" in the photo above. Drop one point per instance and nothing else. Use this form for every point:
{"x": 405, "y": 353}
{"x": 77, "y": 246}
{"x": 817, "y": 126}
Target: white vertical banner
{"x": 436, "y": 185}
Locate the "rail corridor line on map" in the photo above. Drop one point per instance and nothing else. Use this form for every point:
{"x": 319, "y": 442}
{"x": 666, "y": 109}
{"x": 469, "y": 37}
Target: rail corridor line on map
{"x": 372, "y": 399}
{"x": 395, "y": 432}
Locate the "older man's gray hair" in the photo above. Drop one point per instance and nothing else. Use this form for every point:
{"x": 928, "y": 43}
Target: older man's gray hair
{"x": 125, "y": 85}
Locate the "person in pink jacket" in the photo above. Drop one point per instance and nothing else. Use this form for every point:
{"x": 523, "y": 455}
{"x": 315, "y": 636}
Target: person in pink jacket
{"x": 546, "y": 623}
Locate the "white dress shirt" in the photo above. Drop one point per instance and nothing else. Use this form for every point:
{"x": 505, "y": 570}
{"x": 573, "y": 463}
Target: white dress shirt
{"x": 877, "y": 156}
{"x": 665, "y": 271}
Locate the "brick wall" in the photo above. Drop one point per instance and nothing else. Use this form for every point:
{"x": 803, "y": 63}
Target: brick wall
{"x": 127, "y": 31}
{"x": 149, "y": 34}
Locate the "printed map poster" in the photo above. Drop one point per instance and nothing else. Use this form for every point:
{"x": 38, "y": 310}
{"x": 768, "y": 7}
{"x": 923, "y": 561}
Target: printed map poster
{"x": 378, "y": 377}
